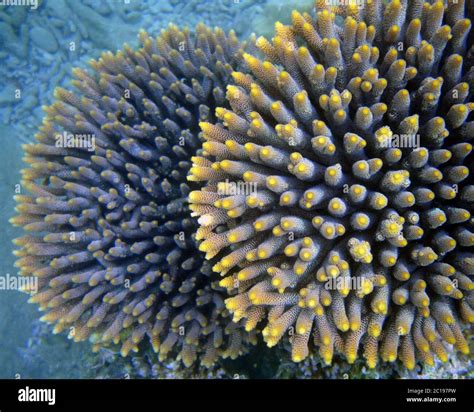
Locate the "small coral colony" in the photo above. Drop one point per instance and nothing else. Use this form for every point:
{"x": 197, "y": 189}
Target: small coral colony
{"x": 313, "y": 190}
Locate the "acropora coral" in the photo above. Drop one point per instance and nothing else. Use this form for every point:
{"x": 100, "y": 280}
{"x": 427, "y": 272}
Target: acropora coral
{"x": 110, "y": 239}
{"x": 337, "y": 191}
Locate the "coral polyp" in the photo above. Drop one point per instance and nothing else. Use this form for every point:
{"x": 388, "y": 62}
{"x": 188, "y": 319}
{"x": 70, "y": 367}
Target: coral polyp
{"x": 337, "y": 191}
{"x": 110, "y": 239}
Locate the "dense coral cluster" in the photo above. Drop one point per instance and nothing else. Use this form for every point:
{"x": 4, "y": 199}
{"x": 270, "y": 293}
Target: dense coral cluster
{"x": 337, "y": 193}
{"x": 109, "y": 237}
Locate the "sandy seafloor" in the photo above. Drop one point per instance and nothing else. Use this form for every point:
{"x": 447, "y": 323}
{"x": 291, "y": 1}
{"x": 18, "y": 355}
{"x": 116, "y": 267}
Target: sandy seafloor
{"x": 36, "y": 56}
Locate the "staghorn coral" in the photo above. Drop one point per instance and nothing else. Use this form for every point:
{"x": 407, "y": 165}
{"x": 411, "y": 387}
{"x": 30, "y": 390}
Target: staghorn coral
{"x": 109, "y": 237}
{"x": 348, "y": 240}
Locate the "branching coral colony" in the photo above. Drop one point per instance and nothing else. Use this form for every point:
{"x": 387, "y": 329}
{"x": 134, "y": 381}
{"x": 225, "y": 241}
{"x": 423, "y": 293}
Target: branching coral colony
{"x": 351, "y": 243}
{"x": 111, "y": 241}
{"x": 335, "y": 193}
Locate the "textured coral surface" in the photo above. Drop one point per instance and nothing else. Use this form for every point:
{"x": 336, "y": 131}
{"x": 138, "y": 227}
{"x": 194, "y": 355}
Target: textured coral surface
{"x": 333, "y": 193}
{"x": 337, "y": 190}
{"x": 109, "y": 237}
